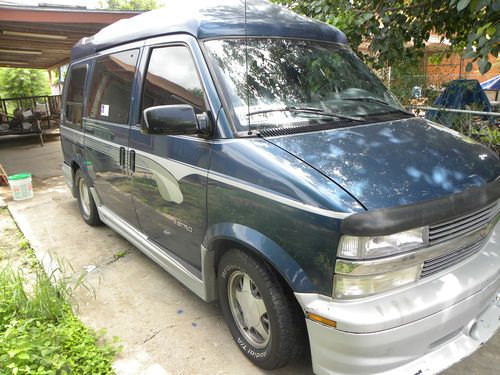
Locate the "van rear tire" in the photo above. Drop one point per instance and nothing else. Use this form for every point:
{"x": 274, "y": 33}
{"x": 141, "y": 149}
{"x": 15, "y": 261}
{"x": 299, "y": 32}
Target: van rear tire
{"x": 86, "y": 203}
{"x": 273, "y": 332}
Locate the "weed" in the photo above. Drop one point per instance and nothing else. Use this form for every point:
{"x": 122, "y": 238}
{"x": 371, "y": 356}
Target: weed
{"x": 120, "y": 254}
{"x": 39, "y": 333}
{"x": 30, "y": 257}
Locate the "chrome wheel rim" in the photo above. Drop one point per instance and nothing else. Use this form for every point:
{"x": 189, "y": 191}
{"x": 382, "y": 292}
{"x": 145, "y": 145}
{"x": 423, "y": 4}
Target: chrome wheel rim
{"x": 84, "y": 196}
{"x": 248, "y": 309}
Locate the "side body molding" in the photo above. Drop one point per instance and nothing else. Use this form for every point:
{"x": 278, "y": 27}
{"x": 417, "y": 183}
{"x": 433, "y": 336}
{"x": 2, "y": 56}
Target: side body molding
{"x": 261, "y": 245}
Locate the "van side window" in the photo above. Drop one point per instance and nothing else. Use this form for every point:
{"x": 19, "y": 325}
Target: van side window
{"x": 111, "y": 89}
{"x": 74, "y": 98}
{"x": 172, "y": 79}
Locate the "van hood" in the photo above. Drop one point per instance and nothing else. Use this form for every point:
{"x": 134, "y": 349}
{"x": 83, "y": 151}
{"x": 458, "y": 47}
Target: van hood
{"x": 397, "y": 162}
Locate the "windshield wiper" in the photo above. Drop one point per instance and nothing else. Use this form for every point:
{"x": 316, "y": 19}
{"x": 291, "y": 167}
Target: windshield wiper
{"x": 311, "y": 110}
{"x": 379, "y": 101}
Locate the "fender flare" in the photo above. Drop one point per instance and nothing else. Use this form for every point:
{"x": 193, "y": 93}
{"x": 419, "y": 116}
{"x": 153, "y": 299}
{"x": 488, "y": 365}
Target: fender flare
{"x": 264, "y": 247}
{"x": 80, "y": 161}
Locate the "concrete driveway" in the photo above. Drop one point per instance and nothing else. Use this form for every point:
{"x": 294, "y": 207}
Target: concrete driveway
{"x": 163, "y": 327}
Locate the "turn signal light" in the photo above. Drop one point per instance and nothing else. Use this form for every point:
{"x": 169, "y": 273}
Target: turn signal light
{"x": 321, "y": 320}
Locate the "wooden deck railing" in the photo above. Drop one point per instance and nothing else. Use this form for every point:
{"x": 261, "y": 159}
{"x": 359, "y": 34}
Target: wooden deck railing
{"x": 39, "y": 113}
{"x": 47, "y": 103}
{"x": 47, "y": 106}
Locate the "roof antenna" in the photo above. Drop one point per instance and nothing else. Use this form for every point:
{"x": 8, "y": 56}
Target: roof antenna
{"x": 246, "y": 71}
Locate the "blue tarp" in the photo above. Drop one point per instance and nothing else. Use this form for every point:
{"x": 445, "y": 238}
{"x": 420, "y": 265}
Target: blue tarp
{"x": 457, "y": 95}
{"x": 492, "y": 84}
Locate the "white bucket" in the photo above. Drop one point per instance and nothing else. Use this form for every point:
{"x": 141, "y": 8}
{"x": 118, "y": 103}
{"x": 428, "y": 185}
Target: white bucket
{"x": 20, "y": 186}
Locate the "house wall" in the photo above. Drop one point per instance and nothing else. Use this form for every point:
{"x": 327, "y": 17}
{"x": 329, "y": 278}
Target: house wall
{"x": 449, "y": 68}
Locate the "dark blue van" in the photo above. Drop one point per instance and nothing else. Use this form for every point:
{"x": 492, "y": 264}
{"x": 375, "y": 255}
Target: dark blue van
{"x": 250, "y": 153}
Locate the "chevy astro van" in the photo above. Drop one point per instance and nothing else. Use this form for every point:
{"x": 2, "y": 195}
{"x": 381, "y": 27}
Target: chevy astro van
{"x": 250, "y": 153}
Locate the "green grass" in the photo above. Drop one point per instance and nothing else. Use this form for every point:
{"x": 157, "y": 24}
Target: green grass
{"x": 39, "y": 334}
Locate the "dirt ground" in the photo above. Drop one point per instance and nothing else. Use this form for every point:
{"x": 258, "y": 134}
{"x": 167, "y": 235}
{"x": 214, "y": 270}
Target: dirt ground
{"x": 10, "y": 237}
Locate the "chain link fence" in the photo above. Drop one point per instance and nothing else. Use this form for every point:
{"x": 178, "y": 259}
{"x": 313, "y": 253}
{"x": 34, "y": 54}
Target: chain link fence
{"x": 483, "y": 127}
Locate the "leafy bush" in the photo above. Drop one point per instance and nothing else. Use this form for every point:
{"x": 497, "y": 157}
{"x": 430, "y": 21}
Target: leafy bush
{"x": 129, "y": 4}
{"x": 39, "y": 333}
{"x": 16, "y": 83}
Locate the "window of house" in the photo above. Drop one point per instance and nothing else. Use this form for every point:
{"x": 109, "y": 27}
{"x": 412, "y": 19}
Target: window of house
{"x": 172, "y": 79}
{"x": 111, "y": 89}
{"x": 74, "y": 98}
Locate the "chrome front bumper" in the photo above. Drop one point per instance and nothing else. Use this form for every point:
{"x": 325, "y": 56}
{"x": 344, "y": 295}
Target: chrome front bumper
{"x": 423, "y": 328}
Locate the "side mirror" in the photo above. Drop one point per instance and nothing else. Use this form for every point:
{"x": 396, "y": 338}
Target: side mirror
{"x": 170, "y": 120}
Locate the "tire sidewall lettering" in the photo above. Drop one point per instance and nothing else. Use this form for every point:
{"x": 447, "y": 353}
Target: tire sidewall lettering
{"x": 243, "y": 344}
{"x": 227, "y": 270}
{"x": 249, "y": 350}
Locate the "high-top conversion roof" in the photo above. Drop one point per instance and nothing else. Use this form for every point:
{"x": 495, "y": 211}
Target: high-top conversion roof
{"x": 209, "y": 19}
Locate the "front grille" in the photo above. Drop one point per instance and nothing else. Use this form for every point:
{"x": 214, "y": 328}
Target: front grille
{"x": 456, "y": 228}
{"x": 437, "y": 264}
{"x": 460, "y": 226}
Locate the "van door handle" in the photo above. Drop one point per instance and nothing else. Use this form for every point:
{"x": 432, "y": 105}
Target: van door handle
{"x": 132, "y": 160}
{"x": 122, "y": 156}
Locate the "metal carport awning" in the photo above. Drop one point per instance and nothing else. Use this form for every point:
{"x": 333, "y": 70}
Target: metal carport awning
{"x": 42, "y": 37}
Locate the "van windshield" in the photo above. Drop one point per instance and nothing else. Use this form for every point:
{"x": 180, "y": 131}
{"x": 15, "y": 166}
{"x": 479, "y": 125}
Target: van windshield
{"x": 296, "y": 82}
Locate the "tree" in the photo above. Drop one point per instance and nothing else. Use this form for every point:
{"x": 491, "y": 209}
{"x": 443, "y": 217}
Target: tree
{"x": 16, "y": 83}
{"x": 129, "y": 4}
{"x": 396, "y": 30}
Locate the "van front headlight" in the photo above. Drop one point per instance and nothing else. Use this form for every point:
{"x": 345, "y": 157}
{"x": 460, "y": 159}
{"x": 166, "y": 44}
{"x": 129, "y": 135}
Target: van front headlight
{"x": 360, "y": 286}
{"x": 370, "y": 265}
{"x": 353, "y": 247}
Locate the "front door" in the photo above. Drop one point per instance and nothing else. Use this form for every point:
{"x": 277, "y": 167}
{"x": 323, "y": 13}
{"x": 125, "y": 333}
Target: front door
{"x": 170, "y": 175}
{"x": 107, "y": 130}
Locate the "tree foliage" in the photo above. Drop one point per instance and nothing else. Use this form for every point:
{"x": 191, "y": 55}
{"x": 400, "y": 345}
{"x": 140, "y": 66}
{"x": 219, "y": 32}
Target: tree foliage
{"x": 15, "y": 83}
{"x": 129, "y": 4}
{"x": 396, "y": 30}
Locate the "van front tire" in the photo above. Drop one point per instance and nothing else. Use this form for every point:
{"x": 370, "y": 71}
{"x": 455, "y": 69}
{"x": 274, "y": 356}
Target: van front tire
{"x": 86, "y": 203}
{"x": 264, "y": 320}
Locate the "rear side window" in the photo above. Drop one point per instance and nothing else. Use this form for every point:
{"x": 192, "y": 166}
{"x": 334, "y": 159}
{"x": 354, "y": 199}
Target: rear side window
{"x": 110, "y": 92}
{"x": 74, "y": 98}
{"x": 172, "y": 79}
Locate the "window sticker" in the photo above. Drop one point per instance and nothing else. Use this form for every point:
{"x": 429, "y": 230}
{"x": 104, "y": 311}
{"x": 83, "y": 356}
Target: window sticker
{"x": 105, "y": 110}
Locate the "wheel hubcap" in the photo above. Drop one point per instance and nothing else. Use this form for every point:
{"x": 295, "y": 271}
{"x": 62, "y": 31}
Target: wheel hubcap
{"x": 84, "y": 196}
{"x": 248, "y": 309}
